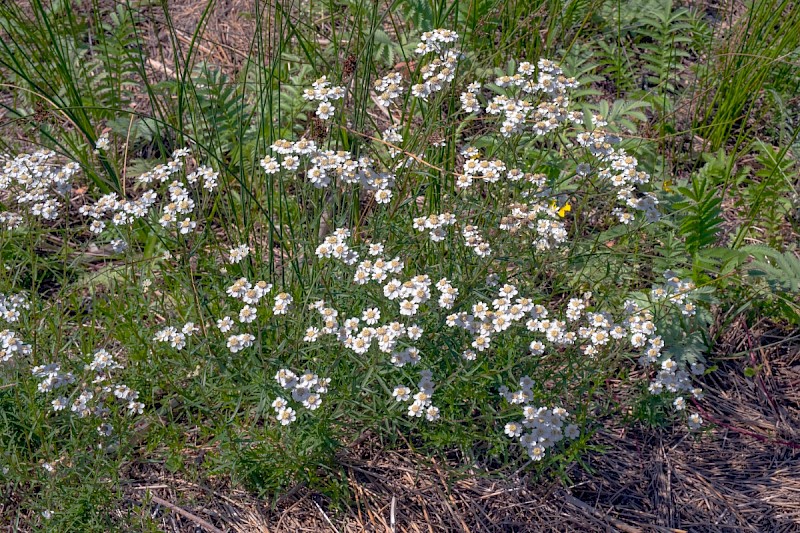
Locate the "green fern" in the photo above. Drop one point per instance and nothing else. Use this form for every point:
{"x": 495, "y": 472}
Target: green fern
{"x": 386, "y": 49}
{"x": 113, "y": 70}
{"x": 781, "y": 271}
{"x": 221, "y": 119}
{"x": 669, "y": 30}
{"x": 701, "y": 217}
{"x": 622, "y": 113}
{"x": 418, "y": 13}
{"x": 768, "y": 198}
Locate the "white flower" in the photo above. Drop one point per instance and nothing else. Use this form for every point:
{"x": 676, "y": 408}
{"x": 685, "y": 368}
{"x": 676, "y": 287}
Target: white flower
{"x": 414, "y": 332}
{"x": 572, "y": 431}
{"x": 432, "y": 413}
{"x": 247, "y": 314}
{"x": 279, "y": 404}
{"x": 291, "y": 162}
{"x": 408, "y": 308}
{"x": 103, "y": 142}
{"x": 186, "y": 225}
{"x": 401, "y": 393}
{"x": 536, "y": 452}
{"x": 513, "y": 429}
{"x": 416, "y": 409}
{"x": 225, "y": 324}
{"x": 325, "y": 110}
{"x": 59, "y": 403}
{"x": 238, "y": 253}
{"x": 286, "y": 416}
{"x": 371, "y": 316}
{"x": 312, "y": 334}
{"x": 118, "y": 245}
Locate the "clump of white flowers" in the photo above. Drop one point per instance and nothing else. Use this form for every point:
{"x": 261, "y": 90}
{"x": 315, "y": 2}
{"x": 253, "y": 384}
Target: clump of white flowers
{"x": 98, "y": 393}
{"x": 321, "y": 167}
{"x": 178, "y": 200}
{"x": 176, "y": 338}
{"x": 238, "y": 253}
{"x": 335, "y": 246}
{"x": 401, "y": 312}
{"x": 523, "y": 115}
{"x": 435, "y": 225}
{"x": 473, "y": 239}
{"x": 441, "y": 69}
{"x": 671, "y": 376}
{"x": 677, "y": 291}
{"x": 10, "y": 307}
{"x": 306, "y": 389}
{"x": 11, "y": 345}
{"x": 36, "y": 183}
{"x": 389, "y": 88}
{"x": 321, "y": 91}
{"x": 422, "y": 399}
{"x": 541, "y": 427}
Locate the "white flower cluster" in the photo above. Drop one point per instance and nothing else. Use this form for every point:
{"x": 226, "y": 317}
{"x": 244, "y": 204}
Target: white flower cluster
{"x": 35, "y": 183}
{"x": 250, "y": 295}
{"x": 335, "y": 246}
{"x": 485, "y": 320}
{"x": 52, "y": 379}
{"x": 442, "y": 68}
{"x": 518, "y": 113}
{"x": 238, "y": 253}
{"x": 671, "y": 376}
{"x": 178, "y": 202}
{"x": 474, "y": 240}
{"x": 677, "y": 292}
{"x": 11, "y": 345}
{"x": 392, "y": 136}
{"x": 376, "y": 270}
{"x": 490, "y": 171}
{"x": 329, "y": 164}
{"x": 540, "y": 217}
{"x": 306, "y": 389}
{"x": 389, "y": 88}
{"x": 10, "y": 307}
{"x": 435, "y": 224}
{"x": 174, "y": 337}
{"x": 447, "y": 293}
{"x": 96, "y": 400}
{"x": 621, "y": 172}
{"x": 469, "y": 98}
{"x": 541, "y": 427}
{"x": 360, "y": 340}
{"x": 324, "y": 93}
{"x": 422, "y": 404}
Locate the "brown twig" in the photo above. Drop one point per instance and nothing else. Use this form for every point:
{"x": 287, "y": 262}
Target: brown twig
{"x": 186, "y": 514}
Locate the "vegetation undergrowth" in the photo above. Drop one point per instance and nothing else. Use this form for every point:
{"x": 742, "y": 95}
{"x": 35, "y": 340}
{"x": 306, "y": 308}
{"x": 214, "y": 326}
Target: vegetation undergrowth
{"x": 444, "y": 226}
